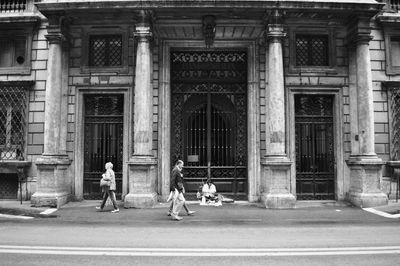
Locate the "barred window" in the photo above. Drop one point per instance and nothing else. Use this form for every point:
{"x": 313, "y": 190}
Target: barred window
{"x": 13, "y": 105}
{"x": 394, "y": 103}
{"x": 312, "y": 50}
{"x": 105, "y": 50}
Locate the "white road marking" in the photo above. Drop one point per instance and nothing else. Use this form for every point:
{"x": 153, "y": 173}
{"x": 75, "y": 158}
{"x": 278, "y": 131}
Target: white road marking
{"x": 48, "y": 211}
{"x": 198, "y": 252}
{"x": 381, "y": 213}
{"x": 15, "y": 216}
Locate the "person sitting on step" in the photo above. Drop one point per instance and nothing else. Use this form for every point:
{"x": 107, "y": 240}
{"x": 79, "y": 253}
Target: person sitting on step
{"x": 209, "y": 194}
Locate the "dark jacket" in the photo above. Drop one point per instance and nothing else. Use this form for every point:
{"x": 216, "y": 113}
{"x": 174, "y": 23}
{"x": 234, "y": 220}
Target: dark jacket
{"x": 176, "y": 180}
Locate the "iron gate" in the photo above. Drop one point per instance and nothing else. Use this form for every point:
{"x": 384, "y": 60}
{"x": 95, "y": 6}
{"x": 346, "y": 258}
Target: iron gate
{"x": 209, "y": 119}
{"x": 103, "y": 140}
{"x": 315, "y": 178}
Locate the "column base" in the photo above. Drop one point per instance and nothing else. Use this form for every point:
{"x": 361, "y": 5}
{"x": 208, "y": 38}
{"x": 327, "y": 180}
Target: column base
{"x": 278, "y": 201}
{"x": 365, "y": 177}
{"x": 276, "y": 183}
{"x": 53, "y": 185}
{"x": 54, "y": 200}
{"x": 142, "y": 182}
{"x": 367, "y": 200}
{"x": 140, "y": 200}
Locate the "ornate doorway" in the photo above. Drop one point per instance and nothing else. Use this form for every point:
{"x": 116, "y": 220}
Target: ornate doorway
{"x": 103, "y": 141}
{"x": 209, "y": 119}
{"x": 315, "y": 160}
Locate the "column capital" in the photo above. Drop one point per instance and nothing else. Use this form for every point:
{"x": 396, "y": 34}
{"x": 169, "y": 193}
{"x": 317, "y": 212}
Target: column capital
{"x": 57, "y": 28}
{"x": 143, "y": 32}
{"x": 362, "y": 39}
{"x": 55, "y": 38}
{"x": 359, "y": 30}
{"x": 275, "y": 31}
{"x": 143, "y": 29}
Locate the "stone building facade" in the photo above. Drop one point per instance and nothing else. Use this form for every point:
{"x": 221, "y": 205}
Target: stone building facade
{"x": 276, "y": 101}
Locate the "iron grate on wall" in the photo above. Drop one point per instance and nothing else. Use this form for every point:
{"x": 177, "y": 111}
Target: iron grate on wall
{"x": 13, "y": 105}
{"x": 311, "y": 50}
{"x": 105, "y": 50}
{"x": 8, "y": 186}
{"x": 394, "y": 102}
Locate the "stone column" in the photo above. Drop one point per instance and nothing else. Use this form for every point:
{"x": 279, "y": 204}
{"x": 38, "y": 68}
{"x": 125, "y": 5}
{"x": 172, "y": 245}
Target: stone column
{"x": 365, "y": 166}
{"x": 53, "y": 187}
{"x": 142, "y": 164}
{"x": 275, "y": 183}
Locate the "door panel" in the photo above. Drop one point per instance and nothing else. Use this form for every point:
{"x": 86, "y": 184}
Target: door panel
{"x": 103, "y": 141}
{"x": 209, "y": 119}
{"x": 315, "y": 172}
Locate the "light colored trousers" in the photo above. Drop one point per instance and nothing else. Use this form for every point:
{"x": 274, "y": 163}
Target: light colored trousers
{"x": 178, "y": 201}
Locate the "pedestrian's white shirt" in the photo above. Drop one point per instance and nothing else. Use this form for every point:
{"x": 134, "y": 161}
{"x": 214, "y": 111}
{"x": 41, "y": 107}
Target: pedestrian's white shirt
{"x": 209, "y": 190}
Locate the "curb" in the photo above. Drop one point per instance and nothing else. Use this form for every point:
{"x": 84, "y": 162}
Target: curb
{"x": 35, "y": 213}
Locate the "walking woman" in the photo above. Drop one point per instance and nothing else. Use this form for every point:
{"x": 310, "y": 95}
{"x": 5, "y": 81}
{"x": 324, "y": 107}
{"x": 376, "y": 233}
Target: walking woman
{"x": 109, "y": 191}
{"x": 177, "y": 187}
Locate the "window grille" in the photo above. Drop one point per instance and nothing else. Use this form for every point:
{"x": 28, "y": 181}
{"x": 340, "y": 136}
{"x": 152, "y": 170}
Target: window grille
{"x": 311, "y": 50}
{"x": 13, "y": 105}
{"x": 105, "y": 50}
{"x": 394, "y": 102}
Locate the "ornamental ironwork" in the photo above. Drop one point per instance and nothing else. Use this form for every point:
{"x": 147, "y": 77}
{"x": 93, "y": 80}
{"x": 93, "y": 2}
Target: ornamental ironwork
{"x": 314, "y": 147}
{"x": 103, "y": 141}
{"x": 209, "y": 114}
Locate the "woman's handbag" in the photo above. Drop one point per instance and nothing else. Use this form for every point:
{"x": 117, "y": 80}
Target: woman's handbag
{"x": 105, "y": 183}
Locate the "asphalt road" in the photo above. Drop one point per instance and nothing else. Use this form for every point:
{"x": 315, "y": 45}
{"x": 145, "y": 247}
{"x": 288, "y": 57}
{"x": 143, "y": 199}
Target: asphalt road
{"x": 232, "y": 235}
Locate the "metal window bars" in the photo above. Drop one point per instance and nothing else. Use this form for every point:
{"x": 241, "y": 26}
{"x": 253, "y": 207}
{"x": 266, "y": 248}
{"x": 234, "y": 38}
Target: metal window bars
{"x": 13, "y": 112}
{"x": 394, "y": 164}
{"x": 105, "y": 50}
{"x": 311, "y": 50}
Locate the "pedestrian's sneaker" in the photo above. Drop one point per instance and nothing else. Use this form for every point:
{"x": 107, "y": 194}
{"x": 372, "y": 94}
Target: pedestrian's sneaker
{"x": 190, "y": 212}
{"x": 114, "y": 211}
{"x": 169, "y": 213}
{"x": 98, "y": 208}
{"x": 176, "y": 217}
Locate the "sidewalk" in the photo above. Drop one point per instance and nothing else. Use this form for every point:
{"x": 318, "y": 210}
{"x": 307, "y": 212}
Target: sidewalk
{"x": 310, "y": 212}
